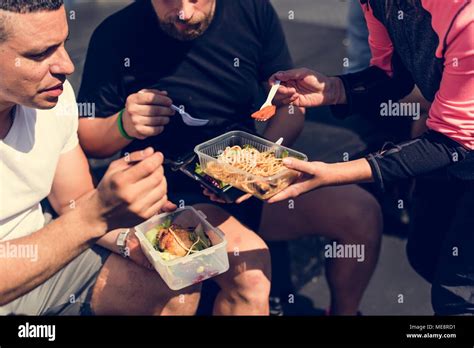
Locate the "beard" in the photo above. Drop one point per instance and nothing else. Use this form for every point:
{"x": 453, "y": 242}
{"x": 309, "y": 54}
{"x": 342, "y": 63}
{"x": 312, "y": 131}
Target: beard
{"x": 195, "y": 28}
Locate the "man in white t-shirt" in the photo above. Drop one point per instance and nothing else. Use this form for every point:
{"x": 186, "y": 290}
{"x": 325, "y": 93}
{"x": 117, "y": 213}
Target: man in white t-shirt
{"x": 72, "y": 266}
{"x": 57, "y": 269}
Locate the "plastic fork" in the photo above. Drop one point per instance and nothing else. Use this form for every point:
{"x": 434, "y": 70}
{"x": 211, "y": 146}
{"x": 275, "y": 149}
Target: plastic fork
{"x": 267, "y": 110}
{"x": 188, "y": 119}
{"x": 276, "y": 145}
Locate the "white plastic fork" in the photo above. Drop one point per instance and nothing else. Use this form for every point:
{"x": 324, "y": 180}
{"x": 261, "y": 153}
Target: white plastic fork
{"x": 268, "y": 103}
{"x": 271, "y": 94}
{"x": 276, "y": 145}
{"x": 188, "y": 119}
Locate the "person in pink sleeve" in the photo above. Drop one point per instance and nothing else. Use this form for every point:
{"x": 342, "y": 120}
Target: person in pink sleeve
{"x": 430, "y": 44}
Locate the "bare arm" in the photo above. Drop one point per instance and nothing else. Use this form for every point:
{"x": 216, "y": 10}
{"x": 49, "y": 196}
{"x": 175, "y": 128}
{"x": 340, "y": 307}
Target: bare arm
{"x": 145, "y": 115}
{"x": 73, "y": 185}
{"x": 100, "y": 137}
{"x": 320, "y": 174}
{"x": 74, "y": 231}
{"x": 63, "y": 239}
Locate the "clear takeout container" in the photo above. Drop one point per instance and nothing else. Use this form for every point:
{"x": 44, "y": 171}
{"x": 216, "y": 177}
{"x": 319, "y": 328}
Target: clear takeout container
{"x": 194, "y": 268}
{"x": 259, "y": 186}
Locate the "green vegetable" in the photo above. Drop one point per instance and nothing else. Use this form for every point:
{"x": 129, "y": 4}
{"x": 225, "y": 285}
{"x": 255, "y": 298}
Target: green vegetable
{"x": 166, "y": 224}
{"x": 204, "y": 242}
{"x": 198, "y": 169}
{"x": 285, "y": 154}
{"x": 151, "y": 235}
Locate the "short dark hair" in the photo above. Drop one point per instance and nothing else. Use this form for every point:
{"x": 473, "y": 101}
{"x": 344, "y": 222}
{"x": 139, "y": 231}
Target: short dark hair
{"x": 25, "y": 6}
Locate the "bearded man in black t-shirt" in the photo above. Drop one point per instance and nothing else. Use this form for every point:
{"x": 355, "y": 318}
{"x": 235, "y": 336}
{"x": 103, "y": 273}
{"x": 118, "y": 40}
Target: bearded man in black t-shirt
{"x": 211, "y": 57}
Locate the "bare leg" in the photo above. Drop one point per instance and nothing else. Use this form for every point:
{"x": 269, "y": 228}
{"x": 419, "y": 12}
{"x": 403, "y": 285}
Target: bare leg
{"x": 124, "y": 288}
{"x": 245, "y": 287}
{"x": 348, "y": 215}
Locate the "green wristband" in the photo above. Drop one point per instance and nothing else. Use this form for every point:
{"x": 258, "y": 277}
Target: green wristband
{"x": 120, "y": 126}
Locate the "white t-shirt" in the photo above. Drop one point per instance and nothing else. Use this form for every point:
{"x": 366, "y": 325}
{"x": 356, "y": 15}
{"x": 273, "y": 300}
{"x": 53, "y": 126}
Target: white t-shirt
{"x": 29, "y": 156}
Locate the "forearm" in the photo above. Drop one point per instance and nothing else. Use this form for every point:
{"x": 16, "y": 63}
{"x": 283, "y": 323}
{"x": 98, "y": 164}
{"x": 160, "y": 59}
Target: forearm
{"x": 56, "y": 245}
{"x": 365, "y": 90}
{"x": 100, "y": 137}
{"x": 108, "y": 240}
{"x": 287, "y": 124}
{"x": 430, "y": 152}
{"x": 344, "y": 173}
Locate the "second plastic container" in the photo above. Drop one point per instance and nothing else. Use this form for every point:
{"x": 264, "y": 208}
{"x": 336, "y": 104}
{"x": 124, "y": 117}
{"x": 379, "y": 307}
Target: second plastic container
{"x": 259, "y": 186}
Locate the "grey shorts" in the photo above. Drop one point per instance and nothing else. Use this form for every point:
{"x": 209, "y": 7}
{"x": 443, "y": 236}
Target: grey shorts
{"x": 68, "y": 292}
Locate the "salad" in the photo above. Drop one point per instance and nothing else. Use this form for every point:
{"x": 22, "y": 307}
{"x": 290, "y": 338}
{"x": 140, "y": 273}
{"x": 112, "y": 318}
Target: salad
{"x": 175, "y": 241}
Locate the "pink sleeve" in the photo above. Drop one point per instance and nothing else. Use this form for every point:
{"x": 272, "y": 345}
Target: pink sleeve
{"x": 380, "y": 44}
{"x": 452, "y": 111}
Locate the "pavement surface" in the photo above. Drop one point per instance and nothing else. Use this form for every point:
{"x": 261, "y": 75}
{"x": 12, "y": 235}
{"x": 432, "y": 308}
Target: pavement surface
{"x": 315, "y": 31}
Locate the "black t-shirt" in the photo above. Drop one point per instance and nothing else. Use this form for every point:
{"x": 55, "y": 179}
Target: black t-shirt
{"x": 216, "y": 76}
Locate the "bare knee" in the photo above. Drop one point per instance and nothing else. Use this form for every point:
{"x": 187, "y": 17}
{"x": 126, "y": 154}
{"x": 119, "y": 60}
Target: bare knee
{"x": 183, "y": 302}
{"x": 248, "y": 279}
{"x": 253, "y": 288}
{"x": 363, "y": 219}
{"x": 124, "y": 288}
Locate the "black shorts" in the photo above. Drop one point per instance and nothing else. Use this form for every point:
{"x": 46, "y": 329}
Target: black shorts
{"x": 441, "y": 244}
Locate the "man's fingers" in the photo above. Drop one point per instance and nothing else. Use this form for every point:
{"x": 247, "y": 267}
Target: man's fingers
{"x": 156, "y": 208}
{"x": 151, "y": 90}
{"x": 152, "y": 110}
{"x": 143, "y": 169}
{"x": 149, "y": 198}
{"x": 169, "y": 207}
{"x": 149, "y": 183}
{"x": 153, "y": 98}
{"x": 152, "y": 121}
{"x": 299, "y": 165}
{"x": 130, "y": 158}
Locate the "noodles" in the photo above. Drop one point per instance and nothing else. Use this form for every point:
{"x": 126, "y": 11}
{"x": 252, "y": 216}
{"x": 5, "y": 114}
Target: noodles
{"x": 252, "y": 161}
{"x": 235, "y": 163}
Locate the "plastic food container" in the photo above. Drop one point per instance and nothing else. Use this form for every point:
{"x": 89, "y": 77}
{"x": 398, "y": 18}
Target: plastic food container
{"x": 259, "y": 186}
{"x": 194, "y": 268}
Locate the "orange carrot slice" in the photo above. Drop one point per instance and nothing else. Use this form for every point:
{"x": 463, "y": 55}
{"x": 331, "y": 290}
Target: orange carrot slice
{"x": 265, "y": 113}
